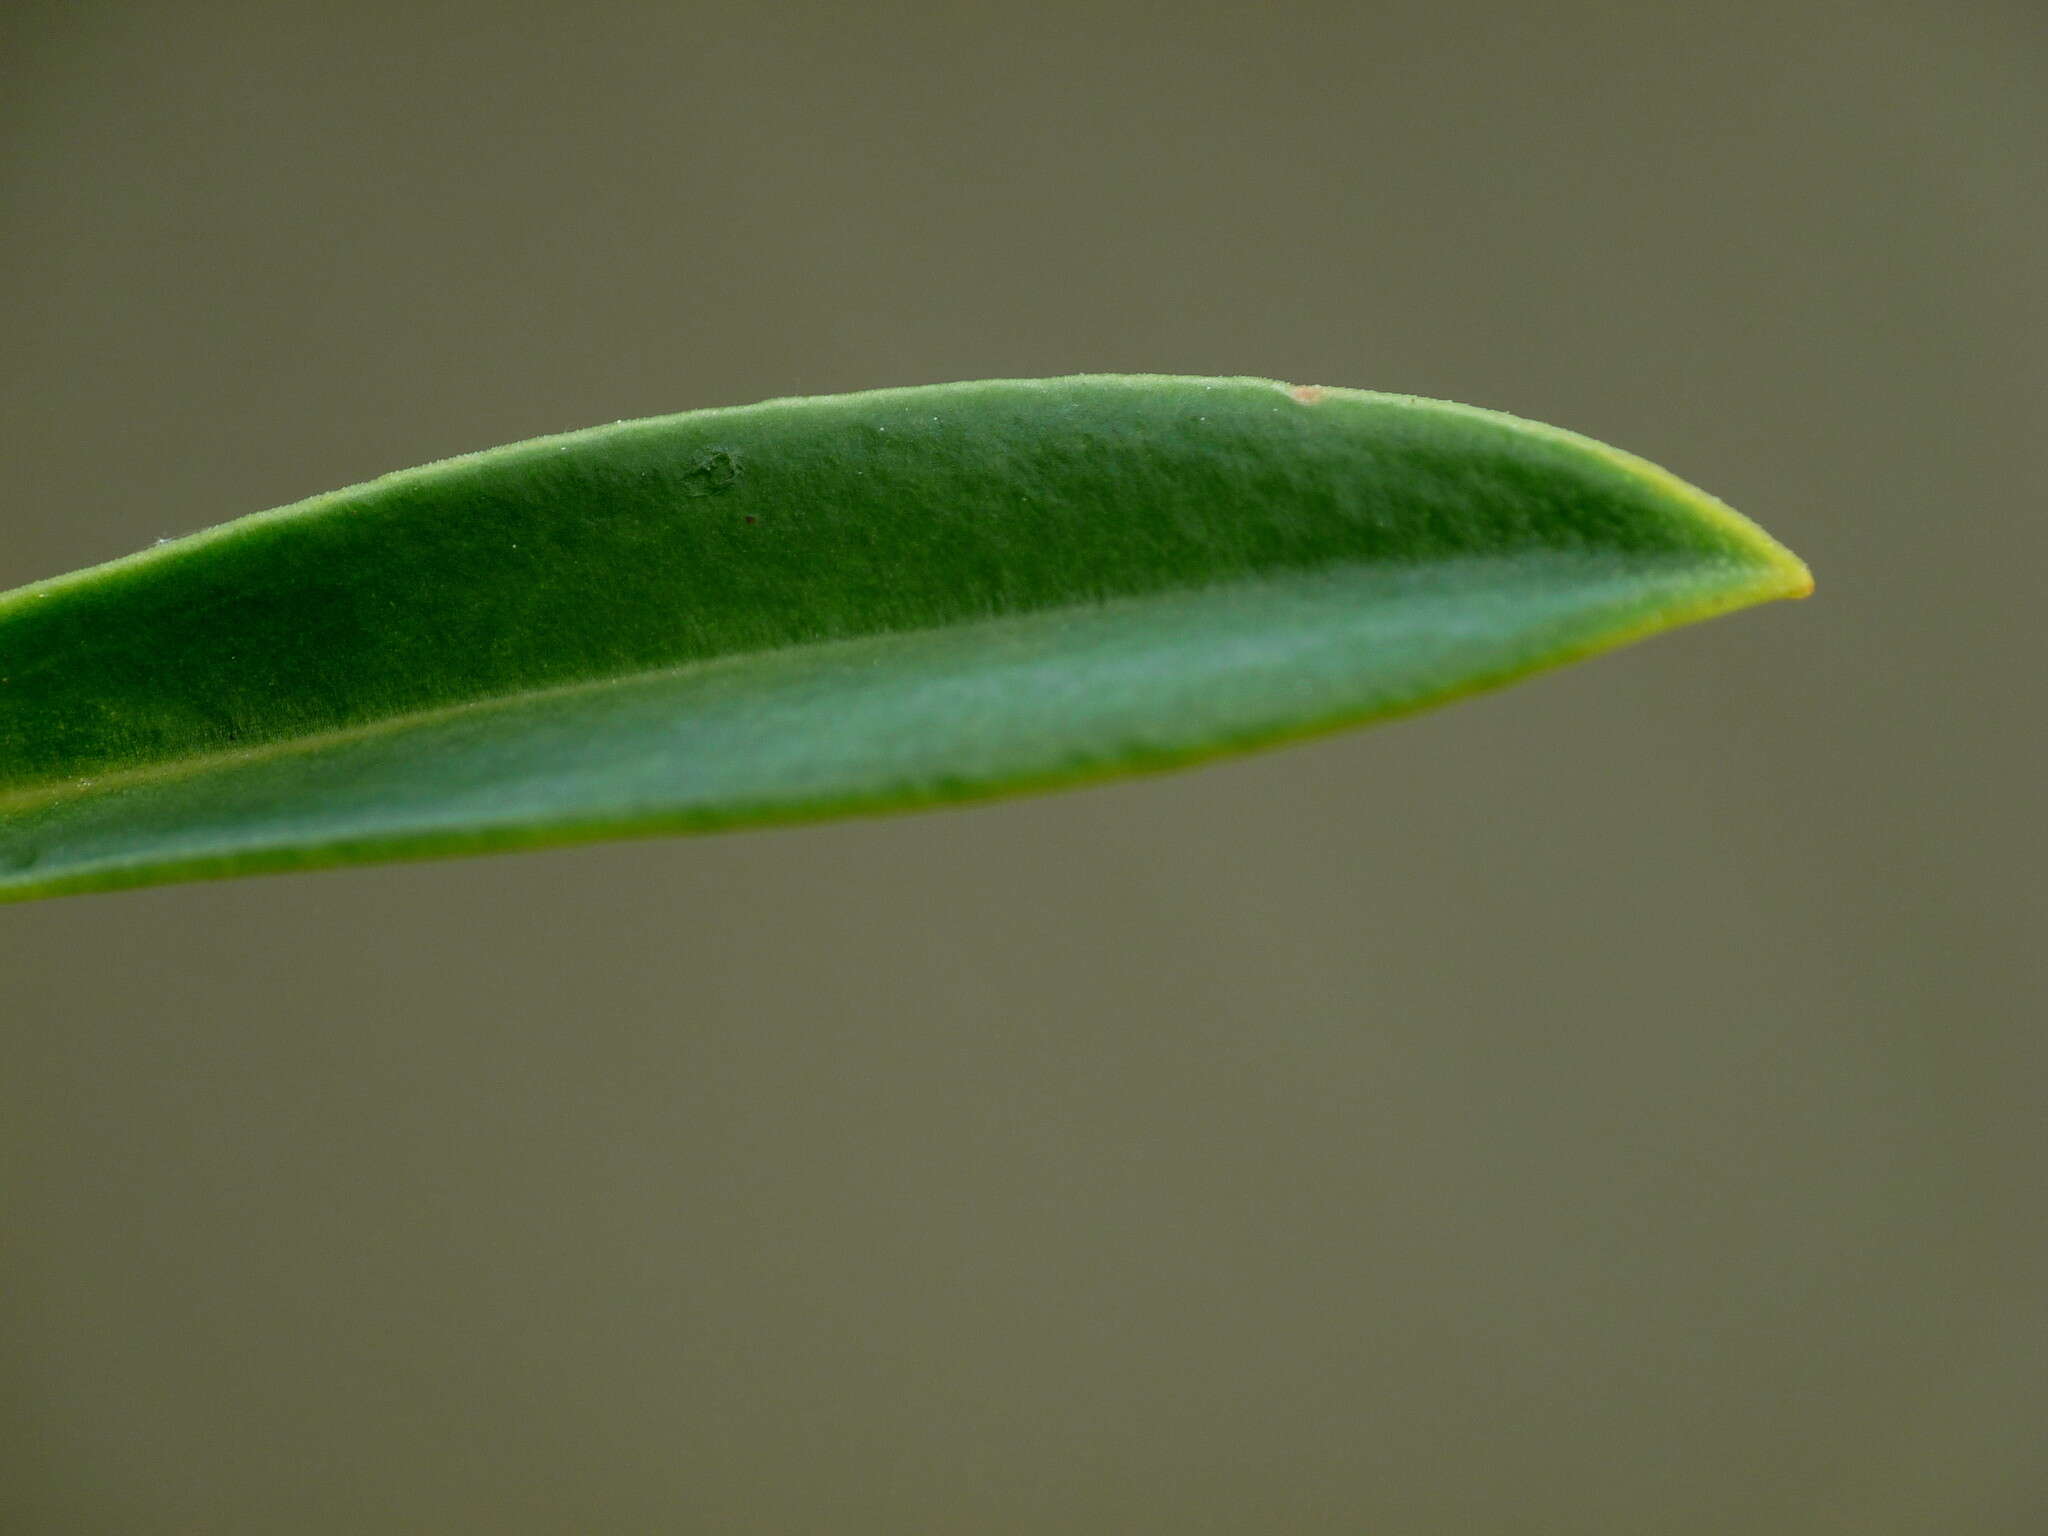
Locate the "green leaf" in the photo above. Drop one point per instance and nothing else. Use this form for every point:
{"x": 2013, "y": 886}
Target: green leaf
{"x": 819, "y": 607}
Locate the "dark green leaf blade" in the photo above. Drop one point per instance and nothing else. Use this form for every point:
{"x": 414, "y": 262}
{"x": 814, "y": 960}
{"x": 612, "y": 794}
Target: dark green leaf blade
{"x": 814, "y": 607}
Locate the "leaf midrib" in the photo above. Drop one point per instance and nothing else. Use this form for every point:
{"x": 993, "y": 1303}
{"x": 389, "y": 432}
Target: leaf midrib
{"x": 45, "y": 792}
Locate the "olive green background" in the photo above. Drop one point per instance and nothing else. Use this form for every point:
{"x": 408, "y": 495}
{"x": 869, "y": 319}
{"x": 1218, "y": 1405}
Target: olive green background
{"x": 1616, "y": 1105}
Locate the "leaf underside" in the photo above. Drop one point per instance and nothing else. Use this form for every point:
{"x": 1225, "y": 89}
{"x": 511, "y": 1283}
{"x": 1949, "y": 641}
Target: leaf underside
{"x": 814, "y": 607}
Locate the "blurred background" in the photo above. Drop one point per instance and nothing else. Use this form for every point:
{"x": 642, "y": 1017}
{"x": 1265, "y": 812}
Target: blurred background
{"x": 1615, "y": 1105}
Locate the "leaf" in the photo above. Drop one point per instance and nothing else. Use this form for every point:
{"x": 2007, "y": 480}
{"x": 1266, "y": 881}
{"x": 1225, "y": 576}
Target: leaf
{"x": 819, "y": 607}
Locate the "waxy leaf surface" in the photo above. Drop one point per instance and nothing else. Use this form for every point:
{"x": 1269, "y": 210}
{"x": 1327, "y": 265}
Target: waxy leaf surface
{"x": 813, "y": 607}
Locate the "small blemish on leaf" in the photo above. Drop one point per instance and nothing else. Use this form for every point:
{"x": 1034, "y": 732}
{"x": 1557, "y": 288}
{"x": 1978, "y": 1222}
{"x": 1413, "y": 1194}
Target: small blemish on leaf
{"x": 1307, "y": 394}
{"x": 715, "y": 472}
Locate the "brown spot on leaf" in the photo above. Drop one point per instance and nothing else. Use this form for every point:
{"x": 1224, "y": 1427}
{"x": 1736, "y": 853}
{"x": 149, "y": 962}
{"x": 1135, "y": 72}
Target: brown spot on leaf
{"x": 1307, "y": 394}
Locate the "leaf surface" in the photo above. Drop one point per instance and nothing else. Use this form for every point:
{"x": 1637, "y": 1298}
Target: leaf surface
{"x": 813, "y": 607}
